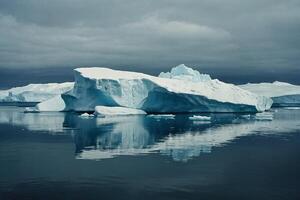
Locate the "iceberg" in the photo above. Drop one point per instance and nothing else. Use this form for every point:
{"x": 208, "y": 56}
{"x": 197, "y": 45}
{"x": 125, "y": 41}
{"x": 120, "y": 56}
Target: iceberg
{"x": 282, "y": 94}
{"x": 97, "y": 86}
{"x": 102, "y": 111}
{"x": 34, "y": 92}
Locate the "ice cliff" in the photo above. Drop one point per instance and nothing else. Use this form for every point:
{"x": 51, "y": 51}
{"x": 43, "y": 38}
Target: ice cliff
{"x": 282, "y": 94}
{"x": 181, "y": 90}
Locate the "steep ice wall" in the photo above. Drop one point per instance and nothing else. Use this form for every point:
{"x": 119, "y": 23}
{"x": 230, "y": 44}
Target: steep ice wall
{"x": 282, "y": 94}
{"x": 34, "y": 92}
{"x": 107, "y": 87}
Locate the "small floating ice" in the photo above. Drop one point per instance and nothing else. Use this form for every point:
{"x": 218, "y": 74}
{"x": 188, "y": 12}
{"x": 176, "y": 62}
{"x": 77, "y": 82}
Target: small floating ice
{"x": 30, "y": 110}
{"x": 292, "y": 108}
{"x": 87, "y": 115}
{"x": 264, "y": 116}
{"x": 103, "y": 111}
{"x": 163, "y": 116}
{"x": 200, "y": 118}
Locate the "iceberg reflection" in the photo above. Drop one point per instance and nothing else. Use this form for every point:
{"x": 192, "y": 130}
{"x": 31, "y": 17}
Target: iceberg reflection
{"x": 51, "y": 122}
{"x": 181, "y": 138}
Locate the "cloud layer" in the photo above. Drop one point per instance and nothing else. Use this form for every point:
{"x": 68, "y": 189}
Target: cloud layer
{"x": 215, "y": 34}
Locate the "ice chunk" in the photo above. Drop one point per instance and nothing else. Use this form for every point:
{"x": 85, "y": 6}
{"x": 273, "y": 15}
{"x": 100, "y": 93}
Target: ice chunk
{"x": 200, "y": 118}
{"x": 87, "y": 115}
{"x": 183, "y": 72}
{"x": 112, "y": 111}
{"x": 282, "y": 94}
{"x": 30, "y": 110}
{"x": 292, "y": 108}
{"x": 166, "y": 116}
{"x": 106, "y": 87}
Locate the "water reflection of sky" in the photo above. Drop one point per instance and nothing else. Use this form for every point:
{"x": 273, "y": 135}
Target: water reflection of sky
{"x": 179, "y": 138}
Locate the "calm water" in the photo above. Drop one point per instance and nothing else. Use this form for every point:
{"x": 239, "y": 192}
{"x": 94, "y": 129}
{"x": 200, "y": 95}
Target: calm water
{"x": 63, "y": 156}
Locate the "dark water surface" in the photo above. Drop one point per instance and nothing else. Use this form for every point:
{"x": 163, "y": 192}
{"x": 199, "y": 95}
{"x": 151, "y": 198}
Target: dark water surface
{"x": 62, "y": 156}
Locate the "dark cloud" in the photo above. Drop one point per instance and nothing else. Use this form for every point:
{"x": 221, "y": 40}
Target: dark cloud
{"x": 213, "y": 35}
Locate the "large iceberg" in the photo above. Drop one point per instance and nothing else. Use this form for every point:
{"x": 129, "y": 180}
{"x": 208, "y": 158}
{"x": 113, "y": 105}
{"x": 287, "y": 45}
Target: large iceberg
{"x": 106, "y": 87}
{"x": 34, "y": 92}
{"x": 282, "y": 94}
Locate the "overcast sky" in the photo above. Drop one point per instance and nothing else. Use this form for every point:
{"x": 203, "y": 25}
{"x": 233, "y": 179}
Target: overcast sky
{"x": 236, "y": 37}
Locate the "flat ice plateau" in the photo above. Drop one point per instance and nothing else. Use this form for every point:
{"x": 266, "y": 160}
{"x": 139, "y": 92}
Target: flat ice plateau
{"x": 282, "y": 94}
{"x": 179, "y": 91}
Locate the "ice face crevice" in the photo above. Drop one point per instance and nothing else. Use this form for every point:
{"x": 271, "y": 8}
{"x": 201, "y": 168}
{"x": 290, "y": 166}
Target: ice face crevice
{"x": 103, "y": 86}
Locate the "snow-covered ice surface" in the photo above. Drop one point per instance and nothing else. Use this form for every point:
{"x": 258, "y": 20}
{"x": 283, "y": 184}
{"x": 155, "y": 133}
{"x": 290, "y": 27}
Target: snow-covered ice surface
{"x": 113, "y": 111}
{"x": 102, "y": 86}
{"x": 183, "y": 72}
{"x": 34, "y": 92}
{"x": 282, "y": 94}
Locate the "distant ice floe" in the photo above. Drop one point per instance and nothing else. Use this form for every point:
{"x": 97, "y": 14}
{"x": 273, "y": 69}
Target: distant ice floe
{"x": 102, "y": 111}
{"x": 162, "y": 116}
{"x": 200, "y": 118}
{"x": 282, "y": 94}
{"x": 292, "y": 108}
{"x": 35, "y": 92}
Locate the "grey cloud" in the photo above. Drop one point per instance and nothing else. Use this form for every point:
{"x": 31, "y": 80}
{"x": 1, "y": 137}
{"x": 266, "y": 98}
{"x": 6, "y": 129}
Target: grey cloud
{"x": 214, "y": 34}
